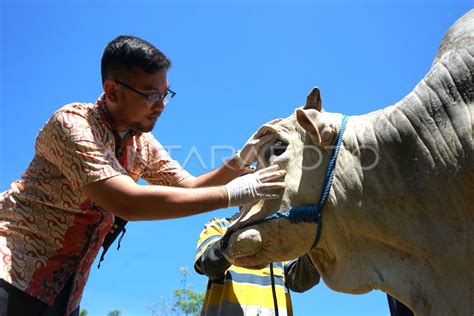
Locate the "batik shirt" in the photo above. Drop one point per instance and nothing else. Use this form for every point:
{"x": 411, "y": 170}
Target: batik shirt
{"x": 50, "y": 231}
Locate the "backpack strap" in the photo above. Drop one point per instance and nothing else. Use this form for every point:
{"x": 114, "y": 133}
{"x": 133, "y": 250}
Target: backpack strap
{"x": 117, "y": 228}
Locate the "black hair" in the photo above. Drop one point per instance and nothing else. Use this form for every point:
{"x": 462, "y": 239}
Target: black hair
{"x": 130, "y": 52}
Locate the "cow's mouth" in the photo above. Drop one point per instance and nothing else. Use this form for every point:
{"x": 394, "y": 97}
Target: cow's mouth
{"x": 242, "y": 243}
{"x": 243, "y": 248}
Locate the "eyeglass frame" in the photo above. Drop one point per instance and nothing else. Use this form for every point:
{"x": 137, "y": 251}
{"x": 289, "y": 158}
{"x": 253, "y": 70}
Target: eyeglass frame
{"x": 162, "y": 96}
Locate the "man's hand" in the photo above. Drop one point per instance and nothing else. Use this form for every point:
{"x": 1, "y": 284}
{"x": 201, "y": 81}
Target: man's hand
{"x": 255, "y": 186}
{"x": 15, "y": 188}
{"x": 249, "y": 152}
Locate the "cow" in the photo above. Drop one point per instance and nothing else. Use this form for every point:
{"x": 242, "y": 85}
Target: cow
{"x": 399, "y": 215}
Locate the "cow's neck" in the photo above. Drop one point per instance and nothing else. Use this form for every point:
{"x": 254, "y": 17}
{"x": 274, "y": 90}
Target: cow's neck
{"x": 382, "y": 208}
{"x": 405, "y": 225}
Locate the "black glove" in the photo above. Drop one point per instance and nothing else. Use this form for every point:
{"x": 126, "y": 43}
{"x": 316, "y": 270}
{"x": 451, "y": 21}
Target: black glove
{"x": 212, "y": 262}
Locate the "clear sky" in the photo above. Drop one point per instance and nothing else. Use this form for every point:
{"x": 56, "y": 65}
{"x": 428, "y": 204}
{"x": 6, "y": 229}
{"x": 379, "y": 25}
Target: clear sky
{"x": 235, "y": 66}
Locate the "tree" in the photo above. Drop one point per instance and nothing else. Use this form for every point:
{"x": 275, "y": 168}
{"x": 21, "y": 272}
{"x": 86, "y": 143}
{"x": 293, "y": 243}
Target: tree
{"x": 184, "y": 301}
{"x": 187, "y": 300}
{"x": 83, "y": 312}
{"x": 114, "y": 312}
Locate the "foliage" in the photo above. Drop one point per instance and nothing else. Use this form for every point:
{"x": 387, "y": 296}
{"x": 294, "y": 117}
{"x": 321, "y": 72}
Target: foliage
{"x": 187, "y": 300}
{"x": 184, "y": 301}
{"x": 115, "y": 312}
{"x": 83, "y": 312}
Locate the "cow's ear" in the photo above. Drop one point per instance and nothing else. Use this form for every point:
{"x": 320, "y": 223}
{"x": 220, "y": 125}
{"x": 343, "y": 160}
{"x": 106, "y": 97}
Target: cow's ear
{"x": 313, "y": 100}
{"x": 321, "y": 131}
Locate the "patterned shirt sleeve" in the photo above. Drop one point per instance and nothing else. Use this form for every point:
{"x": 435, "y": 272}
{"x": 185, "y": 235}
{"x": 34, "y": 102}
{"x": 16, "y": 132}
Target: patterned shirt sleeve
{"x": 77, "y": 147}
{"x": 161, "y": 169}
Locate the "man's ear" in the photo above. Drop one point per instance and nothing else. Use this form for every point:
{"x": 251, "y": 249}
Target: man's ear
{"x": 321, "y": 131}
{"x": 313, "y": 100}
{"x": 110, "y": 89}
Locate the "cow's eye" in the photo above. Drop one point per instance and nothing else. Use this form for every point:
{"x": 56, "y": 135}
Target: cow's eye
{"x": 278, "y": 148}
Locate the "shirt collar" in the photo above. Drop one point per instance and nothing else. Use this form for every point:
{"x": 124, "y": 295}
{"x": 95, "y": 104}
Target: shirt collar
{"x": 106, "y": 118}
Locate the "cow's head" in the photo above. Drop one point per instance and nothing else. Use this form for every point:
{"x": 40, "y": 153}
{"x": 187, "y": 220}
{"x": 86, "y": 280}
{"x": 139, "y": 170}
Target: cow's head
{"x": 302, "y": 145}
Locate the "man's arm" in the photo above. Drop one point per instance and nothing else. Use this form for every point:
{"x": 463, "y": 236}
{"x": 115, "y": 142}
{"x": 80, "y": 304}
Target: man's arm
{"x": 232, "y": 168}
{"x": 301, "y": 274}
{"x": 228, "y": 171}
{"x": 121, "y": 196}
{"x": 209, "y": 259}
{"x": 212, "y": 262}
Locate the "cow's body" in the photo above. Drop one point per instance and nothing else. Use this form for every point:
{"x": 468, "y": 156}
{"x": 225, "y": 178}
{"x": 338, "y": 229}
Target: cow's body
{"x": 400, "y": 215}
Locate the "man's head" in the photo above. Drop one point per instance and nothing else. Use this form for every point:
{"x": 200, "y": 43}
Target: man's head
{"x": 135, "y": 83}
{"x": 130, "y": 52}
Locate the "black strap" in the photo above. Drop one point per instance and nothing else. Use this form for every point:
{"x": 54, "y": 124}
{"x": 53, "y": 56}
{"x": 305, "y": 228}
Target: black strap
{"x": 117, "y": 228}
{"x": 119, "y": 223}
{"x": 275, "y": 302}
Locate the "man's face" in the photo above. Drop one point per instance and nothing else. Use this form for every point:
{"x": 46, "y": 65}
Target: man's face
{"x": 132, "y": 110}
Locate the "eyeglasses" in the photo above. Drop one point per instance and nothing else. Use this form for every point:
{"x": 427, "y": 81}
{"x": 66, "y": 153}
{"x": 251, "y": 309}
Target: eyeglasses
{"x": 154, "y": 97}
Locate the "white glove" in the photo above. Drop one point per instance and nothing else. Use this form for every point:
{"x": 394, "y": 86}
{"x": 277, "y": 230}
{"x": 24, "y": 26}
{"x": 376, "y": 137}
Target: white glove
{"x": 249, "y": 152}
{"x": 15, "y": 188}
{"x": 255, "y": 186}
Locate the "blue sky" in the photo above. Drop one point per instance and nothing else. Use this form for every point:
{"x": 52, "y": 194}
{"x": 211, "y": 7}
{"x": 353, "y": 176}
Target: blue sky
{"x": 235, "y": 66}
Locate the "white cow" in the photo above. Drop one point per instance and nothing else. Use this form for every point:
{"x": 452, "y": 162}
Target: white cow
{"x": 400, "y": 213}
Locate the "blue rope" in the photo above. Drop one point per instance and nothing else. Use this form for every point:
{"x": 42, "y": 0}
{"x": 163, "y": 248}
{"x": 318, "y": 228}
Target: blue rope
{"x": 312, "y": 213}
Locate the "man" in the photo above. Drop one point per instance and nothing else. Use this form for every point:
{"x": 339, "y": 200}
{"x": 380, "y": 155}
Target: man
{"x": 87, "y": 160}
{"x": 232, "y": 290}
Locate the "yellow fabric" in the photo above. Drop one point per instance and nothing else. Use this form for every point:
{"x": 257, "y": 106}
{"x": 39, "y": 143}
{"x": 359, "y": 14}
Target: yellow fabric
{"x": 213, "y": 229}
{"x": 247, "y": 288}
{"x": 244, "y": 294}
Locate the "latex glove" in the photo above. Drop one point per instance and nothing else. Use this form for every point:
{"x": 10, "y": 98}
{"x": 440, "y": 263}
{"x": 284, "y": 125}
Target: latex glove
{"x": 255, "y": 186}
{"x": 15, "y": 188}
{"x": 249, "y": 152}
